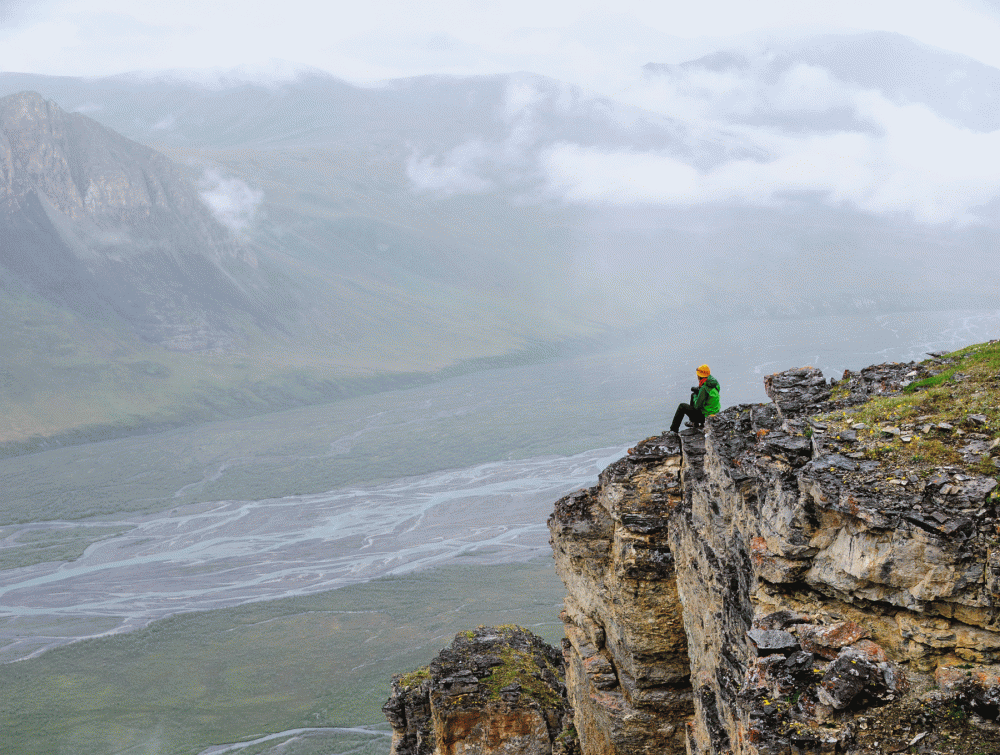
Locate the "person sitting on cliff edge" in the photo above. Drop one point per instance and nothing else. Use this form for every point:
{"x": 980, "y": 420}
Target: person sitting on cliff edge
{"x": 704, "y": 401}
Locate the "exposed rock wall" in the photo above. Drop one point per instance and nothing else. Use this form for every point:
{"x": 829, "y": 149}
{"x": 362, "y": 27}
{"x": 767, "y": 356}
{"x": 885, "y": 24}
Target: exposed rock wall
{"x": 774, "y": 586}
{"x": 626, "y": 656}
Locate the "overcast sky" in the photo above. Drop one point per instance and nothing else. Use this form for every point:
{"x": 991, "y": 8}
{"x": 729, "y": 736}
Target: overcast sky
{"x": 908, "y": 159}
{"x": 593, "y": 44}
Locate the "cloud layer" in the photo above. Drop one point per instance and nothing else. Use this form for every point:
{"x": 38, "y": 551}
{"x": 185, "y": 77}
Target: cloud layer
{"x": 918, "y": 165}
{"x": 800, "y": 135}
{"x": 583, "y": 41}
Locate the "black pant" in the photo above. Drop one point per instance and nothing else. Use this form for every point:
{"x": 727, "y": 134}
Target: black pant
{"x": 696, "y": 417}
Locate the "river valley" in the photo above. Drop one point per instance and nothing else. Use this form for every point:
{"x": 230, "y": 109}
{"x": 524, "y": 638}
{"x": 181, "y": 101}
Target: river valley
{"x": 290, "y": 563}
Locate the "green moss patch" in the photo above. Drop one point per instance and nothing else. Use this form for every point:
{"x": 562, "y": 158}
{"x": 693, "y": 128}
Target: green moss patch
{"x": 522, "y": 667}
{"x": 412, "y": 679}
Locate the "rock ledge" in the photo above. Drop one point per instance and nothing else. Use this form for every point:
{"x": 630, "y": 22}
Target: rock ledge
{"x": 818, "y": 574}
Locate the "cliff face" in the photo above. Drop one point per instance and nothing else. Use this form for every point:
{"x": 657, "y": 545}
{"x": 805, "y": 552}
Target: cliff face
{"x": 820, "y": 574}
{"x": 111, "y": 229}
{"x": 626, "y": 662}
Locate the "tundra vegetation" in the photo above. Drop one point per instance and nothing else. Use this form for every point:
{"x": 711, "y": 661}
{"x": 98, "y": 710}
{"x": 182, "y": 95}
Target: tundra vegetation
{"x": 951, "y": 418}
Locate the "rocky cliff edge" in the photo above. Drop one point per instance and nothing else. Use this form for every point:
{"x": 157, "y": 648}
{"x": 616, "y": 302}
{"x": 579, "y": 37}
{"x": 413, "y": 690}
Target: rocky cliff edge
{"x": 817, "y": 574}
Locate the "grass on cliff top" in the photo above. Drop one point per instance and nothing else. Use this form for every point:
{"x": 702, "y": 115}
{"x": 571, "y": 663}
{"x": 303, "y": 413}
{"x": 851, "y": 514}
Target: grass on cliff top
{"x": 414, "y": 678}
{"x": 515, "y": 666}
{"x": 967, "y": 382}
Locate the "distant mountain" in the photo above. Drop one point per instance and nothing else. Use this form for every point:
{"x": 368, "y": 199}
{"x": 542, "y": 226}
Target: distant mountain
{"x": 110, "y": 229}
{"x": 316, "y": 109}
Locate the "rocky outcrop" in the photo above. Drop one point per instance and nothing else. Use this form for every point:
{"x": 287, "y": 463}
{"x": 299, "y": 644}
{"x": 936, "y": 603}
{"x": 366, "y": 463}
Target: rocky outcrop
{"x": 112, "y": 230}
{"x": 810, "y": 575}
{"x": 493, "y": 691}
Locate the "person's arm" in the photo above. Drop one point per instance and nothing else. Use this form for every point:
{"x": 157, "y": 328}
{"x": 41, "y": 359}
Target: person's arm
{"x": 702, "y": 398}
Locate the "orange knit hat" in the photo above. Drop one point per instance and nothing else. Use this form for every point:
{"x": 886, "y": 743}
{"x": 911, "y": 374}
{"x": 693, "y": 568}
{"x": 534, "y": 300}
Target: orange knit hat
{"x": 703, "y": 371}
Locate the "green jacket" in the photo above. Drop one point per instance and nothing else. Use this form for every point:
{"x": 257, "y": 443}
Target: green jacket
{"x": 707, "y": 400}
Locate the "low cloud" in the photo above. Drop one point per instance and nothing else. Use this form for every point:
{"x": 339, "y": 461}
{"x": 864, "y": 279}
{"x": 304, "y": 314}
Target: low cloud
{"x": 13, "y": 12}
{"x": 817, "y": 135}
{"x": 167, "y": 123}
{"x": 477, "y": 166}
{"x": 232, "y": 202}
{"x": 458, "y": 171}
{"x": 737, "y": 88}
{"x": 752, "y": 136}
{"x": 917, "y": 164}
{"x": 519, "y": 98}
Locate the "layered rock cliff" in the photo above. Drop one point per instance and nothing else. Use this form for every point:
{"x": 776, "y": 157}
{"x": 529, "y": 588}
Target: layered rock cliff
{"x": 818, "y": 574}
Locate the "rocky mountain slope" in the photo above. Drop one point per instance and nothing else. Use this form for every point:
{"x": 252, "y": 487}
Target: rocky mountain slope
{"x": 817, "y": 574}
{"x": 112, "y": 230}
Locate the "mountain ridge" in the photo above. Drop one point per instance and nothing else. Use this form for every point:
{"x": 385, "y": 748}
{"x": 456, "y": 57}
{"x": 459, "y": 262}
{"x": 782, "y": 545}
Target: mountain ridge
{"x": 106, "y": 227}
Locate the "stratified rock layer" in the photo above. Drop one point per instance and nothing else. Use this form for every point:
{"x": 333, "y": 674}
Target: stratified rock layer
{"x": 493, "y": 691}
{"x": 773, "y": 586}
{"x": 626, "y": 655}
